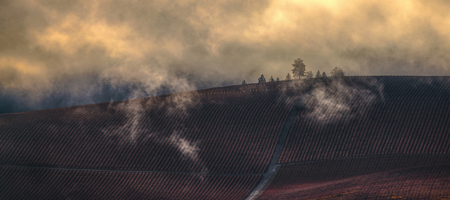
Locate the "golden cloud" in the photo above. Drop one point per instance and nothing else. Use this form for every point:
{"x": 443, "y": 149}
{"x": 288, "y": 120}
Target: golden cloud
{"x": 217, "y": 41}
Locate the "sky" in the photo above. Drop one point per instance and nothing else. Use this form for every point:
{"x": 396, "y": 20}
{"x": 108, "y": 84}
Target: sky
{"x": 57, "y": 53}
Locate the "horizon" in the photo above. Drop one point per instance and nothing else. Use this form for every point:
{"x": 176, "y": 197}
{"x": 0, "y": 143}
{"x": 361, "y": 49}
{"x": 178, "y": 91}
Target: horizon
{"x": 168, "y": 94}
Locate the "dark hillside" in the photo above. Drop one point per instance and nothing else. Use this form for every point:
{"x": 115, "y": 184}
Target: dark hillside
{"x": 406, "y": 125}
{"x": 410, "y": 119}
{"x": 222, "y": 143}
{"x": 226, "y": 130}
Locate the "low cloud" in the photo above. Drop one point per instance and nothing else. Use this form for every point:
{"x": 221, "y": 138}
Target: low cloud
{"x": 327, "y": 100}
{"x": 338, "y": 100}
{"x": 135, "y": 129}
{"x": 175, "y": 105}
{"x": 187, "y": 148}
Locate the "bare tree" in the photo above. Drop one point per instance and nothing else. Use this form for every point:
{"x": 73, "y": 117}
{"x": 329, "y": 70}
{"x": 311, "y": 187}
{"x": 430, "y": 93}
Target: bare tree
{"x": 299, "y": 68}
{"x": 337, "y": 72}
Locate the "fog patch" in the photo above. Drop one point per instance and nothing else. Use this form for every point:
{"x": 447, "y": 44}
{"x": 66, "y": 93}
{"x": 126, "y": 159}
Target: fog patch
{"x": 130, "y": 131}
{"x": 330, "y": 99}
{"x": 189, "y": 149}
{"x": 337, "y": 100}
{"x": 176, "y": 105}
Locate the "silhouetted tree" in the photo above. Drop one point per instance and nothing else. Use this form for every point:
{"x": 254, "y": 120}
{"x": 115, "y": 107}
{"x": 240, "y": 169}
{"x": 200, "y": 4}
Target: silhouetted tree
{"x": 324, "y": 74}
{"x": 261, "y": 79}
{"x": 299, "y": 68}
{"x": 271, "y": 79}
{"x": 278, "y": 79}
{"x": 309, "y": 74}
{"x": 318, "y": 74}
{"x": 244, "y": 83}
{"x": 288, "y": 77}
{"x": 337, "y": 72}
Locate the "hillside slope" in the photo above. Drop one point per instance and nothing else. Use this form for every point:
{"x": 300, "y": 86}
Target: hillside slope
{"x": 237, "y": 142}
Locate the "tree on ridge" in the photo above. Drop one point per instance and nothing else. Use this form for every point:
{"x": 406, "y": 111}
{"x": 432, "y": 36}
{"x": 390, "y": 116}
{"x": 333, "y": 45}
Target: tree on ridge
{"x": 299, "y": 68}
{"x": 288, "y": 77}
{"x": 318, "y": 74}
{"x": 261, "y": 79}
{"x": 337, "y": 72}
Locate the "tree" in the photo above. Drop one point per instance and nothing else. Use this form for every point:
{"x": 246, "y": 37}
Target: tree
{"x": 299, "y": 68}
{"x": 244, "y": 83}
{"x": 278, "y": 79}
{"x": 309, "y": 74}
{"x": 324, "y": 74}
{"x": 261, "y": 79}
{"x": 271, "y": 79}
{"x": 337, "y": 72}
{"x": 318, "y": 74}
{"x": 288, "y": 77}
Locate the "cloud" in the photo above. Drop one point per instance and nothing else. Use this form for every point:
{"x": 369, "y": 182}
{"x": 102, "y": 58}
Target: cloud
{"x": 336, "y": 100}
{"x": 327, "y": 100}
{"x": 152, "y": 44}
{"x": 134, "y": 130}
{"x": 174, "y": 105}
{"x": 187, "y": 148}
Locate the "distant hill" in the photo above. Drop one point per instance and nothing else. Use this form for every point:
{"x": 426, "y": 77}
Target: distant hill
{"x": 352, "y": 137}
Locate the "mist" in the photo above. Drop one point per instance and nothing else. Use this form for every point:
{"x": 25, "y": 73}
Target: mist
{"x": 64, "y": 53}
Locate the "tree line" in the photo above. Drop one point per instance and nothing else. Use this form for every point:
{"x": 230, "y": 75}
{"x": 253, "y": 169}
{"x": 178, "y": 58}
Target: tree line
{"x": 299, "y": 71}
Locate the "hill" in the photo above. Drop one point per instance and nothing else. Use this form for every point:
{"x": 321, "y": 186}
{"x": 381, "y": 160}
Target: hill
{"x": 312, "y": 138}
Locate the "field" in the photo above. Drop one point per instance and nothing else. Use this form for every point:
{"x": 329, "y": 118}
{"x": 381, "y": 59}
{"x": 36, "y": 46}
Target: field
{"x": 351, "y": 138}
